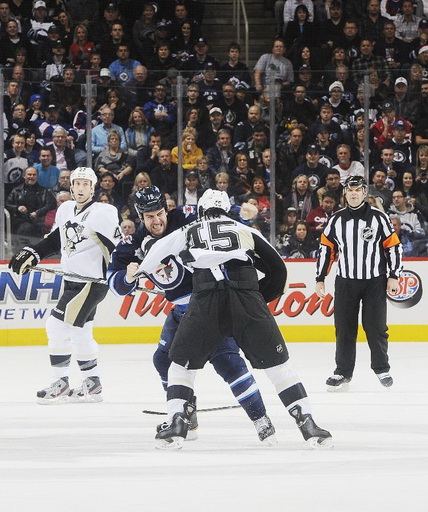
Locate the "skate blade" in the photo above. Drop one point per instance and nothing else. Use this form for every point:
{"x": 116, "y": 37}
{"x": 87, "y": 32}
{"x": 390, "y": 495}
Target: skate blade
{"x": 192, "y": 435}
{"x": 321, "y": 443}
{"x": 173, "y": 443}
{"x": 270, "y": 441}
{"x": 338, "y": 389}
{"x": 87, "y": 399}
{"x": 60, "y": 400}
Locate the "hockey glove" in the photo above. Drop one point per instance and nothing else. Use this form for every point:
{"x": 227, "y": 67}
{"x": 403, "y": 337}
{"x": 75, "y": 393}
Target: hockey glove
{"x": 248, "y": 211}
{"x": 24, "y": 260}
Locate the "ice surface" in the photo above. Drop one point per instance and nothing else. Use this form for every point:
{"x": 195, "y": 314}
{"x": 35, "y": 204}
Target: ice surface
{"x": 101, "y": 457}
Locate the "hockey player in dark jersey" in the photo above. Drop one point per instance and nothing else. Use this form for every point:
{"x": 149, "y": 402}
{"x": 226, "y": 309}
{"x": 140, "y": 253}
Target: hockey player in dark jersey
{"x": 176, "y": 281}
{"x": 227, "y": 300}
{"x": 86, "y": 235}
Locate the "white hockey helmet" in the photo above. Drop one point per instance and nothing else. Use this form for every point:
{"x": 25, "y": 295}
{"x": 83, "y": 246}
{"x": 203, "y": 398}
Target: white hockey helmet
{"x": 217, "y": 199}
{"x": 84, "y": 173}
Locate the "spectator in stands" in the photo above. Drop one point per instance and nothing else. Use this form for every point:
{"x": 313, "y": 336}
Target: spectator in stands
{"x": 333, "y": 186}
{"x": 382, "y": 129}
{"x": 192, "y": 189}
{"x": 18, "y": 121}
{"x": 60, "y": 198}
{"x": 287, "y": 228}
{"x": 220, "y": 156}
{"x": 290, "y": 155}
{"x": 421, "y": 40}
{"x": 138, "y": 132}
{"x": 208, "y": 137}
{"x": 15, "y": 162}
{"x": 350, "y": 41}
{"x": 369, "y": 60}
{"x": 403, "y": 235}
{"x": 81, "y": 48}
{"x": 300, "y": 107}
{"x": 194, "y": 65}
{"x": 234, "y": 71}
{"x": 300, "y": 244}
{"x": 63, "y": 184}
{"x": 160, "y": 113}
{"x": 137, "y": 89}
{"x": 51, "y": 121}
{"x": 371, "y": 26}
{"x": 113, "y": 159}
{"x": 209, "y": 86}
{"x": 379, "y": 189}
{"x": 301, "y": 197}
{"x": 241, "y": 177}
{"x": 121, "y": 69}
{"x": 183, "y": 45}
{"x": 36, "y": 28}
{"x": 63, "y": 155}
{"x": 273, "y": 65}
{"x": 410, "y": 220}
{"x": 10, "y": 41}
{"x": 414, "y": 194}
{"x": 143, "y": 32}
{"x": 65, "y": 27}
{"x": 180, "y": 16}
{"x": 161, "y": 61}
{"x": 394, "y": 50}
{"x": 28, "y": 204}
{"x": 141, "y": 180}
{"x": 119, "y": 106}
{"x": 48, "y": 174}
{"x": 332, "y": 28}
{"x": 107, "y": 185}
{"x": 147, "y": 156}
{"x": 222, "y": 182}
{"x": 346, "y": 166}
{"x": 84, "y": 12}
{"x": 422, "y": 168}
{"x": 112, "y": 39}
{"x": 244, "y": 129}
{"x": 257, "y": 143}
{"x": 318, "y": 217}
{"x": 100, "y": 132}
{"x": 127, "y": 227}
{"x": 165, "y": 175}
{"x": 66, "y": 95}
{"x": 403, "y": 149}
{"x": 206, "y": 174}
{"x": 312, "y": 168}
{"x": 326, "y": 121}
{"x": 190, "y": 151}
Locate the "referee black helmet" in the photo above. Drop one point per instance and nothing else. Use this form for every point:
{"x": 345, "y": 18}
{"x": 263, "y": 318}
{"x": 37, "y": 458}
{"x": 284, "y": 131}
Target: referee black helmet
{"x": 355, "y": 181}
{"x": 149, "y": 199}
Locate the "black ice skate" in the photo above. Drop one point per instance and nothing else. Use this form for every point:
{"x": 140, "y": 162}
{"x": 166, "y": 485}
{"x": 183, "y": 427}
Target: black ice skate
{"x": 172, "y": 436}
{"x": 192, "y": 433}
{"x": 265, "y": 431}
{"x": 316, "y": 437}
{"x": 385, "y": 379}
{"x": 337, "y": 383}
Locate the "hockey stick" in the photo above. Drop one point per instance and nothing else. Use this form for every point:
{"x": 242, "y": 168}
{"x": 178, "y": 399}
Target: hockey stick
{"x": 87, "y": 278}
{"x": 208, "y": 409}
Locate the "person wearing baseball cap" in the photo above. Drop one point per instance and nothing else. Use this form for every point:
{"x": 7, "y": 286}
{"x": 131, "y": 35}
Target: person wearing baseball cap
{"x": 382, "y": 129}
{"x": 312, "y": 168}
{"x": 193, "y": 67}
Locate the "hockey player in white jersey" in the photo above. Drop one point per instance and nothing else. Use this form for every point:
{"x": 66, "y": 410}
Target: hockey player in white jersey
{"x": 86, "y": 234}
{"x": 227, "y": 300}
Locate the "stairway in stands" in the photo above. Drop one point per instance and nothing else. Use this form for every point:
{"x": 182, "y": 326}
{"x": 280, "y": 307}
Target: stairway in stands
{"x": 218, "y": 29}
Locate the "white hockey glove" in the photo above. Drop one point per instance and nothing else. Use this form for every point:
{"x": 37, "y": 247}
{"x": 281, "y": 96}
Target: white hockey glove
{"x": 24, "y": 260}
{"x": 248, "y": 211}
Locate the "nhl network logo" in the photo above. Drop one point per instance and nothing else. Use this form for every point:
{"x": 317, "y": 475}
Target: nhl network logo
{"x": 367, "y": 234}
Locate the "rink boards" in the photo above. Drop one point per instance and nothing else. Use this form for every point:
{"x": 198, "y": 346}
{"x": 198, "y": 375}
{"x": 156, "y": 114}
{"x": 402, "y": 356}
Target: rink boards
{"x": 26, "y": 301}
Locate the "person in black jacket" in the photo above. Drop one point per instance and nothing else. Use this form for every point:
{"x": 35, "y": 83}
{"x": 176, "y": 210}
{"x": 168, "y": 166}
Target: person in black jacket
{"x": 28, "y": 204}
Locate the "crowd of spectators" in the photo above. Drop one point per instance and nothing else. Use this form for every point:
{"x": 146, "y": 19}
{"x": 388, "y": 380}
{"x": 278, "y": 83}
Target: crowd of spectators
{"x": 134, "y": 52}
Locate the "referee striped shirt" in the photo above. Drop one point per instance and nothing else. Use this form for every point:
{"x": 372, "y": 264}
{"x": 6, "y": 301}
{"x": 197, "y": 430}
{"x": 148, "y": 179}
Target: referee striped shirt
{"x": 364, "y": 243}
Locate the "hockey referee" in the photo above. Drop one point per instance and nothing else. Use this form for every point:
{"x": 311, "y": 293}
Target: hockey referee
{"x": 369, "y": 264}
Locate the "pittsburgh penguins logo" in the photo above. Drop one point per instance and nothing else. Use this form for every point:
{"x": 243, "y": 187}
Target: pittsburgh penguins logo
{"x": 367, "y": 234}
{"x": 73, "y": 233}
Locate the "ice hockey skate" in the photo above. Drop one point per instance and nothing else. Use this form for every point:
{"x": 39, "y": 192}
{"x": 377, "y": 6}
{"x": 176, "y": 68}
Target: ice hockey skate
{"x": 337, "y": 383}
{"x": 266, "y": 431}
{"x": 316, "y": 437}
{"x": 56, "y": 393}
{"x": 90, "y": 391}
{"x": 172, "y": 436}
{"x": 192, "y": 433}
{"x": 385, "y": 379}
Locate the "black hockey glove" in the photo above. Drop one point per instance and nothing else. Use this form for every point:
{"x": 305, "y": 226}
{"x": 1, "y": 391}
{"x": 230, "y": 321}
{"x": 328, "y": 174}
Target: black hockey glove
{"x": 23, "y": 260}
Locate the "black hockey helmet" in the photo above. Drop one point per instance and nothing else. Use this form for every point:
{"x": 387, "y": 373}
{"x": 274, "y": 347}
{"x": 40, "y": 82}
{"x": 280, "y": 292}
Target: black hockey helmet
{"x": 355, "y": 181}
{"x": 149, "y": 199}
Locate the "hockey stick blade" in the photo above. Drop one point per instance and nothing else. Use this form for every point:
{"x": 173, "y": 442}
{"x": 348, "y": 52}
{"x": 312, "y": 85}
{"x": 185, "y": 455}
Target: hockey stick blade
{"x": 208, "y": 409}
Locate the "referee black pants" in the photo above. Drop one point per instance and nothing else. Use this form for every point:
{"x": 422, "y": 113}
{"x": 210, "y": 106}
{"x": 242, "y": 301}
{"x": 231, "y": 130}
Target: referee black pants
{"x": 371, "y": 294}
